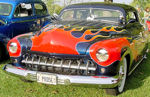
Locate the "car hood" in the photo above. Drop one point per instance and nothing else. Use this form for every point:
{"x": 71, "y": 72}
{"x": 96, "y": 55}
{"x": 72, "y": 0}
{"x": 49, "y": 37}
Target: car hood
{"x": 73, "y": 37}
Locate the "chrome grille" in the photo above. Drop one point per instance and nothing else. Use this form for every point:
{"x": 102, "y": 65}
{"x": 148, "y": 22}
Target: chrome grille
{"x": 59, "y": 65}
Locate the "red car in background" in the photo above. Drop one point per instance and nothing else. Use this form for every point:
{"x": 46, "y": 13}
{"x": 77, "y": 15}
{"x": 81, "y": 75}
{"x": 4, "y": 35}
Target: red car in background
{"x": 148, "y": 24}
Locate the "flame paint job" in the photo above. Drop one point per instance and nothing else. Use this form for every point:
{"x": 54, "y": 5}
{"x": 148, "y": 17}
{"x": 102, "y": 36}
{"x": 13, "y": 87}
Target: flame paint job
{"x": 76, "y": 39}
{"x": 69, "y": 40}
{"x": 79, "y": 41}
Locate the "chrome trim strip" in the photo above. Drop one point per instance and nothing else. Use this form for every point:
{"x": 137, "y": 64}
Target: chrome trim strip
{"x": 136, "y": 65}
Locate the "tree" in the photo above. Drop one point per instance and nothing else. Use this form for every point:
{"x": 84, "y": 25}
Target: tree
{"x": 67, "y": 2}
{"x": 53, "y": 7}
{"x": 141, "y": 5}
{"x": 110, "y": 1}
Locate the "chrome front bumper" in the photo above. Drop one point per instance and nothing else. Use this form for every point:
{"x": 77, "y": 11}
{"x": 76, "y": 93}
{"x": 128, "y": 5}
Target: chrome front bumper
{"x": 104, "y": 82}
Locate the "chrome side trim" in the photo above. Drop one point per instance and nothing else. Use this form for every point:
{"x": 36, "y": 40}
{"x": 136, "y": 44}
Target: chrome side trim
{"x": 144, "y": 57}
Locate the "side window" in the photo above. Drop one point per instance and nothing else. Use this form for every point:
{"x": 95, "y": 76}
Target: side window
{"x": 131, "y": 15}
{"x": 68, "y": 15}
{"x": 82, "y": 14}
{"x": 23, "y": 10}
{"x": 40, "y": 9}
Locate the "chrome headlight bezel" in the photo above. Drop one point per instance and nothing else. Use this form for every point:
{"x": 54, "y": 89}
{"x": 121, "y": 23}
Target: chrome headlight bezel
{"x": 13, "y": 47}
{"x": 102, "y": 55}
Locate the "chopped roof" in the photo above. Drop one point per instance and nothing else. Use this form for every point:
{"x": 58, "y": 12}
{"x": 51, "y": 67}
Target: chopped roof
{"x": 124, "y": 6}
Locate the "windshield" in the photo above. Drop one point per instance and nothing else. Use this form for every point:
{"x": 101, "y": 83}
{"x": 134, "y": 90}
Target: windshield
{"x": 5, "y": 9}
{"x": 91, "y": 15}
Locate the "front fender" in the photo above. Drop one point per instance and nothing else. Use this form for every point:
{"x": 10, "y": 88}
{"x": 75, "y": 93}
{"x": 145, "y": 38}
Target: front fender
{"x": 114, "y": 48}
{"x": 127, "y": 52}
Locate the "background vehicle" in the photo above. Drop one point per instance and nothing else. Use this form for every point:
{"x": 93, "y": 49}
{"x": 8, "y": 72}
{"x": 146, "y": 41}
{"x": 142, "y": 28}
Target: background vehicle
{"x": 148, "y": 24}
{"x": 89, "y": 43}
{"x": 18, "y": 17}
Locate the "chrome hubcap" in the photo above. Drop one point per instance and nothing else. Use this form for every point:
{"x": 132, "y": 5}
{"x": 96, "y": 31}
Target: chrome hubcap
{"x": 122, "y": 74}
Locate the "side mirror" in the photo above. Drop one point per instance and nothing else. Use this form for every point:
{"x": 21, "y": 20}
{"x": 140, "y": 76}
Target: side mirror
{"x": 131, "y": 21}
{"x": 122, "y": 20}
{"x": 54, "y": 16}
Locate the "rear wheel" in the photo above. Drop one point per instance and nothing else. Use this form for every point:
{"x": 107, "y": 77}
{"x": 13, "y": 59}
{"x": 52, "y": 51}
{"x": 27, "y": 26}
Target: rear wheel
{"x": 122, "y": 75}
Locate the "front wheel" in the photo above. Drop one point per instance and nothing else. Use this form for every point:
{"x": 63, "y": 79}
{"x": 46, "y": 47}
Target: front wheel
{"x": 122, "y": 76}
{"x": 2, "y": 52}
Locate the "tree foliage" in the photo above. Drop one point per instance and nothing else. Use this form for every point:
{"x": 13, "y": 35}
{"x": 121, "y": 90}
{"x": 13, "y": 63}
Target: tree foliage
{"x": 108, "y": 0}
{"x": 53, "y": 7}
{"x": 141, "y": 3}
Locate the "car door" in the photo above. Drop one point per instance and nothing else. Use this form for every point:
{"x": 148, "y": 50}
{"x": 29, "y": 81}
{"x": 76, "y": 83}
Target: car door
{"x": 41, "y": 14}
{"x": 23, "y": 19}
{"x": 137, "y": 33}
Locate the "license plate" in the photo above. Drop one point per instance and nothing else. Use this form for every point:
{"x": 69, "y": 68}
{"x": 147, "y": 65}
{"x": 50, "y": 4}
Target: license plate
{"x": 46, "y": 78}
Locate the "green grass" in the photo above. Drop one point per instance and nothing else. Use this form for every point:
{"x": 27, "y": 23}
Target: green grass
{"x": 137, "y": 85}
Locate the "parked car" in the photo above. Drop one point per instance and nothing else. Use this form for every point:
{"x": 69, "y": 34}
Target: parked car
{"x": 148, "y": 24}
{"x": 89, "y": 43}
{"x": 18, "y": 17}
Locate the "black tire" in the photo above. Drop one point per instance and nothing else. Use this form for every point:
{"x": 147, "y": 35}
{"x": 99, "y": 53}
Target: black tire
{"x": 122, "y": 74}
{"x": 2, "y": 52}
{"x": 1, "y": 58}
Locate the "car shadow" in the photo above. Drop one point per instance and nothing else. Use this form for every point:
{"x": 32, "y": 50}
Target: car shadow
{"x": 5, "y": 61}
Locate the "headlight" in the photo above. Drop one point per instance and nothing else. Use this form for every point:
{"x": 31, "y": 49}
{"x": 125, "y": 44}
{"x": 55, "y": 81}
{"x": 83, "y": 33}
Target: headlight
{"x": 102, "y": 55}
{"x": 13, "y": 47}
